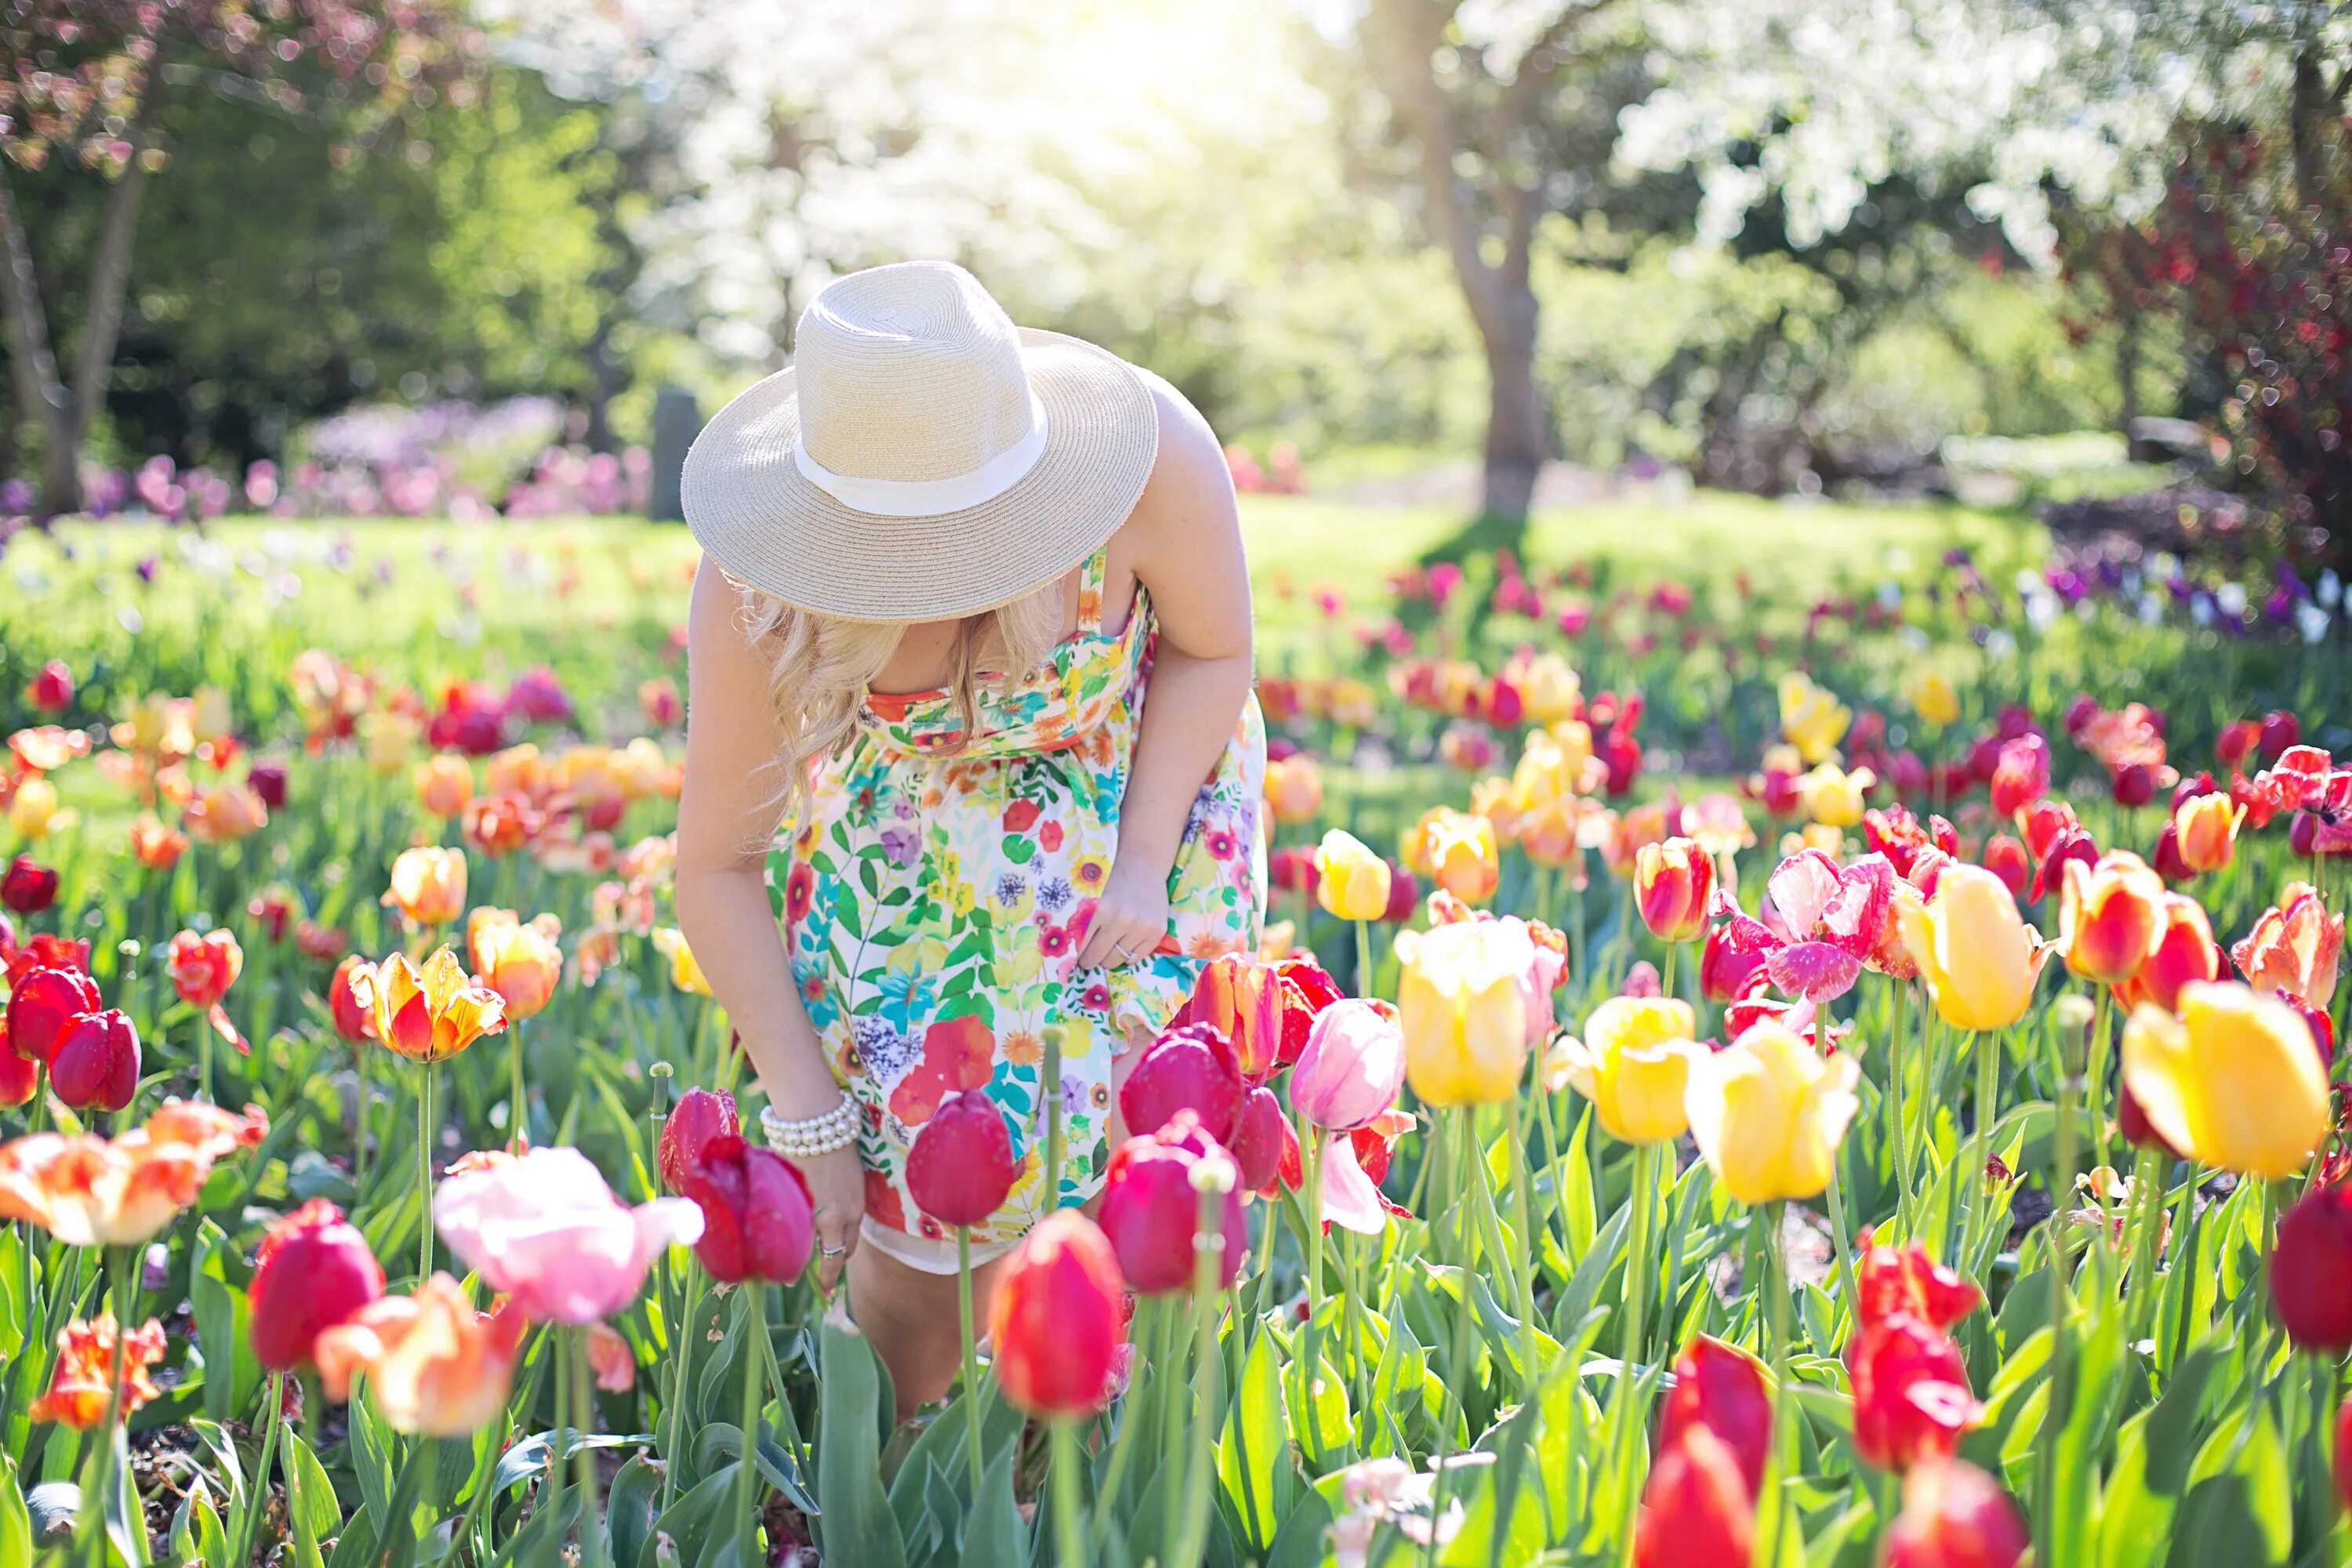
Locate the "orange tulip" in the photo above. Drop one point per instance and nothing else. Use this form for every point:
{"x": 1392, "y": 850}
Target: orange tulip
{"x": 430, "y": 1013}
{"x": 155, "y": 844}
{"x": 1549, "y": 830}
{"x": 2294, "y": 947}
{"x": 428, "y": 886}
{"x": 1650, "y": 822}
{"x": 436, "y": 1367}
{"x": 518, "y": 770}
{"x": 1672, "y": 881}
{"x": 501, "y": 824}
{"x": 2185, "y": 951}
{"x": 224, "y": 813}
{"x": 1294, "y": 788}
{"x": 203, "y": 967}
{"x": 2207, "y": 829}
{"x": 520, "y": 963}
{"x": 445, "y": 783}
{"x": 82, "y": 1385}
{"x": 2110, "y": 917}
{"x": 99, "y": 1192}
{"x": 1458, "y": 850}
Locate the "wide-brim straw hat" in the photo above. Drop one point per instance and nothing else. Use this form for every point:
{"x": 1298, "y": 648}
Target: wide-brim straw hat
{"x": 923, "y": 458}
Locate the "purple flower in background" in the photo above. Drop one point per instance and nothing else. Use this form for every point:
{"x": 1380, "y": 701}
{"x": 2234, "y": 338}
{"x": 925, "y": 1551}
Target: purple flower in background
{"x": 539, "y": 696}
{"x": 15, "y": 497}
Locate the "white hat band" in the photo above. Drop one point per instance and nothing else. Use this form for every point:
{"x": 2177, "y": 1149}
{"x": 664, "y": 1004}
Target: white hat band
{"x": 931, "y": 498}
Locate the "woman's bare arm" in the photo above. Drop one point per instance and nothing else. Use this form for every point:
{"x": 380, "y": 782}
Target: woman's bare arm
{"x": 726, "y": 813}
{"x": 1187, "y": 538}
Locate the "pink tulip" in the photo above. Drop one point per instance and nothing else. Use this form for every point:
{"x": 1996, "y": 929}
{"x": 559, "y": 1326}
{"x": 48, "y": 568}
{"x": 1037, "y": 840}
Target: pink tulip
{"x": 1352, "y": 1067}
{"x": 546, "y": 1230}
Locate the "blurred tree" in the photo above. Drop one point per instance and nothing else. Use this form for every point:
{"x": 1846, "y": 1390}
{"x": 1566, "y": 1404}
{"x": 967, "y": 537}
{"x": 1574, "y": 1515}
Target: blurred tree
{"x": 90, "y": 82}
{"x": 1493, "y": 155}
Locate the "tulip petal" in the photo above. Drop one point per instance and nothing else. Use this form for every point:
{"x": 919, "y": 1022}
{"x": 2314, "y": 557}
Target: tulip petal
{"x": 1350, "y": 1201}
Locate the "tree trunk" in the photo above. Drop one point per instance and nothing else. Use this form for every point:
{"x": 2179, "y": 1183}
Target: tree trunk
{"x": 38, "y": 388}
{"x": 2127, "y": 361}
{"x": 2308, "y": 106}
{"x": 1519, "y": 425}
{"x": 109, "y": 280}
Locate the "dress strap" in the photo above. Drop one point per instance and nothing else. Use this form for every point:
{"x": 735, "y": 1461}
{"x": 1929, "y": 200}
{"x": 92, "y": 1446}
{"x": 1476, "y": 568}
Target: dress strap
{"x": 1092, "y": 575}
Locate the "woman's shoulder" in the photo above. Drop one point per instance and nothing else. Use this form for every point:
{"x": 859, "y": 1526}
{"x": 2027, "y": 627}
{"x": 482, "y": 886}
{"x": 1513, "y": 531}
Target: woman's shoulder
{"x": 1189, "y": 473}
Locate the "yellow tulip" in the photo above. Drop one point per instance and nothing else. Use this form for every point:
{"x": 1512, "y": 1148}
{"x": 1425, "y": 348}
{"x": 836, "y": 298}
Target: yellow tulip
{"x": 1462, "y": 1002}
{"x": 1350, "y": 882}
{"x": 1546, "y": 771}
{"x": 1548, "y": 685}
{"x": 1458, "y": 850}
{"x": 520, "y": 963}
{"x": 34, "y": 810}
{"x": 2234, "y": 1081}
{"x": 428, "y": 885}
{"x": 1979, "y": 957}
{"x": 1932, "y": 698}
{"x": 1835, "y": 797}
{"x": 1633, "y": 1064}
{"x": 445, "y": 785}
{"x": 1574, "y": 737}
{"x": 389, "y": 739}
{"x": 685, "y": 973}
{"x": 1811, "y": 719}
{"x": 1767, "y": 1114}
{"x": 430, "y": 1013}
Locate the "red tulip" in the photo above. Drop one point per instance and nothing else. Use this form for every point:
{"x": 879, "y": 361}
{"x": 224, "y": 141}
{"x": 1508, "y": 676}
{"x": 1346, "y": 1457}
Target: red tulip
{"x": 1258, "y": 1139}
{"x": 43, "y": 1002}
{"x": 1058, "y": 1321}
{"x": 2005, "y": 858}
{"x": 1724, "y": 970}
{"x": 19, "y": 1080}
{"x": 1722, "y": 1389}
{"x": 354, "y": 1021}
{"x": 44, "y": 950}
{"x": 757, "y": 1219}
{"x": 1150, "y": 1208}
{"x": 51, "y": 689}
{"x": 961, "y": 1165}
{"x": 2022, "y": 776}
{"x": 2191, "y": 787}
{"x": 1889, "y": 1280}
{"x": 2311, "y": 1270}
{"x": 2168, "y": 861}
{"x": 2135, "y": 784}
{"x": 1696, "y": 1509}
{"x": 313, "y": 1273}
{"x": 1911, "y": 1398}
{"x": 2044, "y": 821}
{"x": 2071, "y": 845}
{"x": 2237, "y": 742}
{"x": 1190, "y": 1068}
{"x": 1307, "y": 989}
{"x": 700, "y": 1116}
{"x": 1954, "y": 1516}
{"x": 97, "y": 1062}
{"x": 2344, "y": 1454}
{"x": 2185, "y": 951}
{"x": 1291, "y": 870}
{"x": 26, "y": 887}
{"x": 2132, "y": 1123}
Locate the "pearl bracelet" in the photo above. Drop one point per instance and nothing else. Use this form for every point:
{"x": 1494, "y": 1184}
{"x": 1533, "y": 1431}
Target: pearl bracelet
{"x": 836, "y": 1129}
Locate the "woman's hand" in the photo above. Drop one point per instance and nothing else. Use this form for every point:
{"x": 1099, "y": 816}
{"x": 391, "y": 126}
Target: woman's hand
{"x": 836, "y": 1184}
{"x": 1130, "y": 917}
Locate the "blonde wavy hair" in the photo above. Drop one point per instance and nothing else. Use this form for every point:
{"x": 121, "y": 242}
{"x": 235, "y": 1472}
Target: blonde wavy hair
{"x": 821, "y": 669}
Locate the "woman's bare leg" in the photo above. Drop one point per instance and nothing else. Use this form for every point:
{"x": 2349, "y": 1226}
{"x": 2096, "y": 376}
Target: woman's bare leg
{"x": 909, "y": 1318}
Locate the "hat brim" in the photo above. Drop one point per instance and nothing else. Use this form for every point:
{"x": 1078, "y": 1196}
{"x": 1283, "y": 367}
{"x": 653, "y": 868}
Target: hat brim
{"x": 768, "y": 525}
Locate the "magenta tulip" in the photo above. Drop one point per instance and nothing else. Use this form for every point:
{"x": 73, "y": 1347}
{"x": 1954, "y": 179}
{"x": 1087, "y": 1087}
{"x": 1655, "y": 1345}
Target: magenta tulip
{"x": 1149, "y": 1207}
{"x": 960, "y": 1165}
{"x": 1258, "y": 1140}
{"x": 2311, "y": 1270}
{"x": 314, "y": 1271}
{"x": 758, "y": 1222}
{"x": 1190, "y": 1067}
{"x": 700, "y": 1116}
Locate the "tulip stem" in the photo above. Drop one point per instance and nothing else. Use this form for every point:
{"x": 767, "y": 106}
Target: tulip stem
{"x": 1311, "y": 1354}
{"x": 1974, "y": 1175}
{"x": 755, "y": 1323}
{"x": 98, "y": 1499}
{"x": 1892, "y": 1094}
{"x": 1844, "y": 1239}
{"x": 1133, "y": 1413}
{"x": 1049, "y": 1096}
{"x": 2147, "y": 1193}
{"x": 681, "y": 1335}
{"x": 1364, "y": 958}
{"x": 257, "y": 1499}
{"x": 1459, "y": 1370}
{"x": 583, "y": 1459}
{"x": 1069, "y": 1526}
{"x": 552, "y": 1493}
{"x": 2095, "y": 1086}
{"x": 1629, "y": 1352}
{"x": 203, "y": 1058}
{"x": 1769, "y": 1499}
{"x": 2045, "y": 1518}
{"x": 971, "y": 1356}
{"x": 360, "y": 1118}
{"x": 517, "y": 1109}
{"x": 425, "y": 1125}
{"x": 1208, "y": 1306}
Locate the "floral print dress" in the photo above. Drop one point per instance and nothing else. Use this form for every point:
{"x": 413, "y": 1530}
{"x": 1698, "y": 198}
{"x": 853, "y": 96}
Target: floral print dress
{"x": 935, "y": 900}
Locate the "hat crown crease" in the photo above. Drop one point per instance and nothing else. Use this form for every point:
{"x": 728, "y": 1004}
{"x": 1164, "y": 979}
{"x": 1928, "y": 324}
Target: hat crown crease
{"x": 910, "y": 373}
